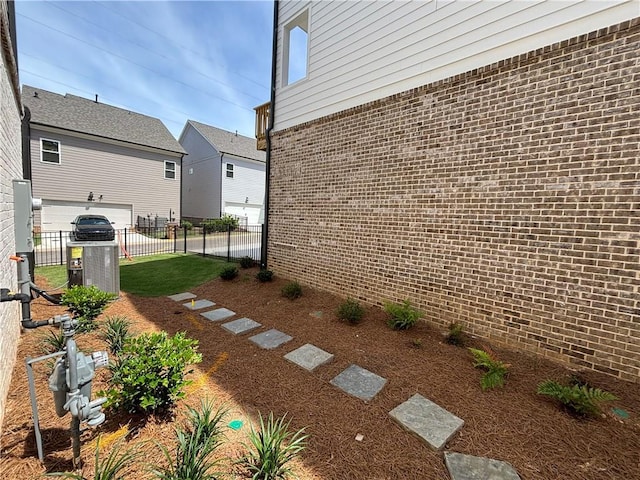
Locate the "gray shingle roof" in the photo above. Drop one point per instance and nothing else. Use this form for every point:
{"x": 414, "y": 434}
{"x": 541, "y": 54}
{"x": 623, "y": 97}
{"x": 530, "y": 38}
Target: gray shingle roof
{"x": 82, "y": 115}
{"x": 229, "y": 142}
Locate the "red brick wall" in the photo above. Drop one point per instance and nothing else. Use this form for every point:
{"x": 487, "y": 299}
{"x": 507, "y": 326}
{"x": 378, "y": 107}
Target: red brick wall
{"x": 507, "y": 198}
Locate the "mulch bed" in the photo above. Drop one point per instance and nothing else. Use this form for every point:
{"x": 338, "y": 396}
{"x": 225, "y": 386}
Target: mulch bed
{"x": 512, "y": 424}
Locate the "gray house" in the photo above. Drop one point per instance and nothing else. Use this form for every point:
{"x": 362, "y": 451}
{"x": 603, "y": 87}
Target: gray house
{"x": 223, "y": 173}
{"x": 88, "y": 157}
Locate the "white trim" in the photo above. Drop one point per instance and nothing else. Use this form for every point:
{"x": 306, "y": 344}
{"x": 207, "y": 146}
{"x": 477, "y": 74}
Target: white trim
{"x": 174, "y": 171}
{"x": 302, "y": 21}
{"x": 42, "y": 150}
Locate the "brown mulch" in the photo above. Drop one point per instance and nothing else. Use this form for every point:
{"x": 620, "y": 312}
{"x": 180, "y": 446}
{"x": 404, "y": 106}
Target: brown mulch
{"x": 512, "y": 423}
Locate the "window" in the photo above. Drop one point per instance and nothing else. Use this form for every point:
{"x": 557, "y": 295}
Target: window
{"x": 296, "y": 44}
{"x": 229, "y": 170}
{"x": 49, "y": 150}
{"x": 169, "y": 170}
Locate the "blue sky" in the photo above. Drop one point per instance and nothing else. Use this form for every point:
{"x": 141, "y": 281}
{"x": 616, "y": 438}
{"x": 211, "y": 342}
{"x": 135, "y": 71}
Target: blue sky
{"x": 208, "y": 61}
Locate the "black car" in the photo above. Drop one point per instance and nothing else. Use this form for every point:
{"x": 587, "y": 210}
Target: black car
{"x": 93, "y": 227}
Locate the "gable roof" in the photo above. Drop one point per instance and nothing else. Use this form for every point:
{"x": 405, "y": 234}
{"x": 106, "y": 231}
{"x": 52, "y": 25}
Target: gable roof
{"x": 77, "y": 114}
{"x": 229, "y": 142}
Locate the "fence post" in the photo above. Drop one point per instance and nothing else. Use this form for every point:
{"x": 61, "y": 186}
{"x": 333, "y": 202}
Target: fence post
{"x": 184, "y": 227}
{"x": 228, "y": 243}
{"x": 126, "y": 248}
{"x": 61, "y": 262}
{"x": 204, "y": 241}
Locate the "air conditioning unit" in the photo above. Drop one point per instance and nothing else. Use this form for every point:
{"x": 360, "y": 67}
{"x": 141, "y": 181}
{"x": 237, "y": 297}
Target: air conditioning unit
{"x": 94, "y": 263}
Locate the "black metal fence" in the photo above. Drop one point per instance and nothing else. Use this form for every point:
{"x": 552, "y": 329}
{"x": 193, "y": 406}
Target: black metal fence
{"x": 51, "y": 247}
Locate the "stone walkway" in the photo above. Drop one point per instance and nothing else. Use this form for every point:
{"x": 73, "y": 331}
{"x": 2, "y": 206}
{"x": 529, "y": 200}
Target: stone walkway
{"x": 419, "y": 415}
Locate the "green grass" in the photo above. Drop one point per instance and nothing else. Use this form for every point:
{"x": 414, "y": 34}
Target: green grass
{"x": 56, "y": 275}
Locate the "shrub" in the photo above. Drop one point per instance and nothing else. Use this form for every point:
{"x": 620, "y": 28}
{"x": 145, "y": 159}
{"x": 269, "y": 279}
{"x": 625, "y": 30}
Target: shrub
{"x": 579, "y": 399}
{"x": 264, "y": 275}
{"x": 272, "y": 448}
{"x": 401, "y": 315}
{"x": 455, "y": 335}
{"x": 495, "y": 369}
{"x": 229, "y": 272}
{"x": 247, "y": 262}
{"x": 86, "y": 303}
{"x": 116, "y": 332}
{"x": 350, "y": 311}
{"x": 223, "y": 224}
{"x": 150, "y": 373}
{"x": 292, "y": 290}
{"x": 186, "y": 224}
{"x": 54, "y": 341}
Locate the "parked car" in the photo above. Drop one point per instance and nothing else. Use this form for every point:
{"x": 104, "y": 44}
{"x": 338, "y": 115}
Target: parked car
{"x": 93, "y": 227}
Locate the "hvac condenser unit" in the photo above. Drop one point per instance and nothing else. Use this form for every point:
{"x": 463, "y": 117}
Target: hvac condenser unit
{"x": 94, "y": 263}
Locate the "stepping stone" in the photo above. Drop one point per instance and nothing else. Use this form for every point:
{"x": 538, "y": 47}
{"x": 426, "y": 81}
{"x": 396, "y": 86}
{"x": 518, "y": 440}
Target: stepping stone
{"x": 270, "y": 339}
{"x": 309, "y": 357}
{"x": 359, "y": 382}
{"x": 468, "y": 467}
{"x": 431, "y": 422}
{"x": 218, "y": 314}
{"x": 241, "y": 325}
{"x": 198, "y": 304}
{"x": 179, "y": 297}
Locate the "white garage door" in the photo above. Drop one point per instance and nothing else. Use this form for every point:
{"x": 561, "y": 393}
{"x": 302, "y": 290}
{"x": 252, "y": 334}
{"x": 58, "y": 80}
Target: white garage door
{"x": 59, "y": 215}
{"x": 251, "y": 212}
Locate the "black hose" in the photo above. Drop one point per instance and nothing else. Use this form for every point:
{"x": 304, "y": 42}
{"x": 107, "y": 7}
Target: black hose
{"x": 45, "y": 295}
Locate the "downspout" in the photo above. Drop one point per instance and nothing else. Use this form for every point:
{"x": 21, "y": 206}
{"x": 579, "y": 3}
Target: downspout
{"x": 221, "y": 180}
{"x": 179, "y": 217}
{"x": 272, "y": 110}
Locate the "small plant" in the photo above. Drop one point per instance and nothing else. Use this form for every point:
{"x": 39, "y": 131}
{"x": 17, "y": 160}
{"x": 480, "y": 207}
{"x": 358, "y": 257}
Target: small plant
{"x": 150, "y": 373}
{"x": 53, "y": 341}
{"x": 229, "y": 272}
{"x": 582, "y": 400}
{"x": 416, "y": 343}
{"x": 116, "y": 332}
{"x": 350, "y": 311}
{"x": 86, "y": 303}
{"x": 292, "y": 290}
{"x": 196, "y": 441}
{"x": 455, "y": 335}
{"x": 264, "y": 275}
{"x": 272, "y": 448}
{"x": 495, "y": 369}
{"x": 224, "y": 224}
{"x": 247, "y": 262}
{"x": 186, "y": 224}
{"x": 401, "y": 315}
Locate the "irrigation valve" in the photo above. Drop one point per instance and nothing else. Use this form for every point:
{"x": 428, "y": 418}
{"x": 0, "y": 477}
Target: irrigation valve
{"x": 77, "y": 401}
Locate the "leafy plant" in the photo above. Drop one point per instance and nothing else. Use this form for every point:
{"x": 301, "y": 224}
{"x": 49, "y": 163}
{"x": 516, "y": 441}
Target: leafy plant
{"x": 86, "y": 303}
{"x": 292, "y": 290}
{"x": 108, "y": 468}
{"x": 229, "y": 272}
{"x": 186, "y": 224}
{"x": 195, "y": 442}
{"x": 264, "y": 275}
{"x": 247, "y": 262}
{"x": 272, "y": 448}
{"x": 116, "y": 332}
{"x": 350, "y": 311}
{"x": 150, "y": 373}
{"x": 223, "y": 224}
{"x": 455, "y": 335}
{"x": 53, "y": 341}
{"x": 401, "y": 315}
{"x": 580, "y": 399}
{"x": 495, "y": 370}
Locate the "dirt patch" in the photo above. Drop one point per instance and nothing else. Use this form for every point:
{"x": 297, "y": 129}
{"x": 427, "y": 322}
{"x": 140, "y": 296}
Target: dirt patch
{"x": 511, "y": 423}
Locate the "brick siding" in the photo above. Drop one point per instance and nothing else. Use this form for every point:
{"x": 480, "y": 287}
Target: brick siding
{"x": 506, "y": 198}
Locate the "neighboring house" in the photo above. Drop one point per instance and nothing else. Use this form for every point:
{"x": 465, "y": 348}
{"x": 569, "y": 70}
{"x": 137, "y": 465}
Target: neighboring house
{"x": 477, "y": 158}
{"x": 10, "y": 169}
{"x": 223, "y": 173}
{"x": 88, "y": 157}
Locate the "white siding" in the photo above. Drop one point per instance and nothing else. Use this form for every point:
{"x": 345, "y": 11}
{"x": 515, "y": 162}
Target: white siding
{"x": 363, "y": 51}
{"x": 245, "y": 188}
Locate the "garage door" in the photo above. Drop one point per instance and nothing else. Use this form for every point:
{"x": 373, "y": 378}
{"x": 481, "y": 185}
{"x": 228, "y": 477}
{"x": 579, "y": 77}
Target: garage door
{"x": 59, "y": 215}
{"x": 251, "y": 212}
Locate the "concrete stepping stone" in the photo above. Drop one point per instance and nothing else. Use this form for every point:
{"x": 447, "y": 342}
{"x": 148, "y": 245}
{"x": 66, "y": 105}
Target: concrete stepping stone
{"x": 241, "y": 325}
{"x": 431, "y": 422}
{"x": 359, "y": 382}
{"x": 218, "y": 314}
{"x": 198, "y": 304}
{"x": 270, "y": 339}
{"x": 468, "y": 467}
{"x": 179, "y": 297}
{"x": 309, "y": 357}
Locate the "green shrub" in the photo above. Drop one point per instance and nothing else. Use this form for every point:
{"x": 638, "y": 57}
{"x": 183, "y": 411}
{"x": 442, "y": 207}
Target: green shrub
{"x": 495, "y": 370}
{"x": 350, "y": 311}
{"x": 455, "y": 335}
{"x": 54, "y": 341}
{"x": 186, "y": 224}
{"x": 116, "y": 332}
{"x": 292, "y": 290}
{"x": 229, "y": 272}
{"x": 401, "y": 315}
{"x": 247, "y": 262}
{"x": 579, "y": 399}
{"x": 86, "y": 303}
{"x": 150, "y": 373}
{"x": 264, "y": 275}
{"x": 272, "y": 448}
{"x": 224, "y": 224}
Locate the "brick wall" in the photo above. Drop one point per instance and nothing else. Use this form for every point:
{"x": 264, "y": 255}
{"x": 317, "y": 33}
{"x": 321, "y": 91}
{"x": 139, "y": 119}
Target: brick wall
{"x": 10, "y": 168}
{"x": 507, "y": 198}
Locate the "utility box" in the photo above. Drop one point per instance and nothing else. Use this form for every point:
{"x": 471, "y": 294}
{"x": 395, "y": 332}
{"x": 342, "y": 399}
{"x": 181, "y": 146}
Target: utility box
{"x": 94, "y": 263}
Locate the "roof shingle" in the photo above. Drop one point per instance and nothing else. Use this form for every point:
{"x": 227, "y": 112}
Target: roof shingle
{"x": 229, "y": 142}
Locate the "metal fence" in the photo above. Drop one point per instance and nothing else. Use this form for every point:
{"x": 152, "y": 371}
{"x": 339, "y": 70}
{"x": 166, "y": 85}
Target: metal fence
{"x": 51, "y": 247}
